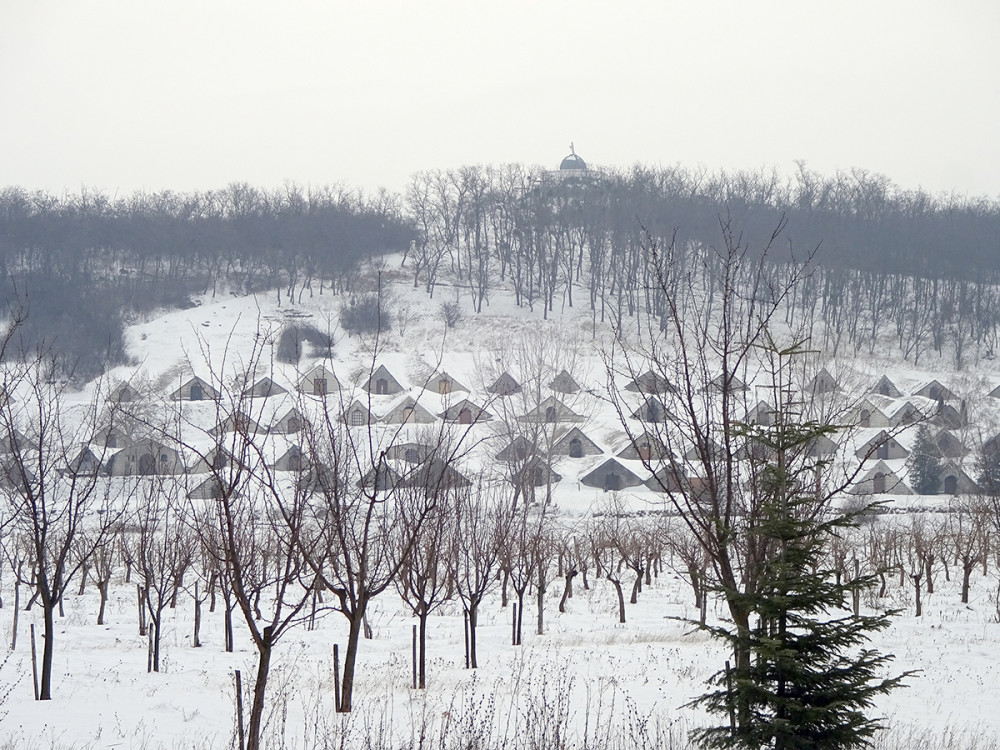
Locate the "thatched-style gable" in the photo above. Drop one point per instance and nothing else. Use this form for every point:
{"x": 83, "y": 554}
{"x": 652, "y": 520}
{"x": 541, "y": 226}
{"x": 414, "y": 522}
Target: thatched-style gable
{"x": 195, "y": 389}
{"x": 382, "y": 383}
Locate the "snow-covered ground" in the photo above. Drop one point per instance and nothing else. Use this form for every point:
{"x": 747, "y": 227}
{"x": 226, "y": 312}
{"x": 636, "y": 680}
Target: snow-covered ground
{"x": 588, "y": 681}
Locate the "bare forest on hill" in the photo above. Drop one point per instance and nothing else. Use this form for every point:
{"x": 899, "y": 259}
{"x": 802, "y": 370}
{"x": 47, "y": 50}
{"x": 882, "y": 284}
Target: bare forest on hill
{"x": 893, "y": 268}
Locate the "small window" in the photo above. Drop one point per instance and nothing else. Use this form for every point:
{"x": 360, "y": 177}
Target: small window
{"x": 319, "y": 386}
{"x": 576, "y": 448}
{"x": 381, "y": 386}
{"x": 412, "y": 456}
{"x": 550, "y": 414}
{"x": 866, "y": 418}
{"x": 444, "y": 386}
{"x": 292, "y": 425}
{"x": 612, "y": 482}
{"x": 357, "y": 418}
{"x": 407, "y": 415}
{"x": 878, "y": 483}
{"x": 465, "y": 416}
{"x": 197, "y": 393}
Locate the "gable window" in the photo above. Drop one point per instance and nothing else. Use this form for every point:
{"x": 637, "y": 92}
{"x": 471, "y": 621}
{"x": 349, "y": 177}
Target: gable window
{"x": 197, "y": 392}
{"x": 550, "y": 414}
{"x": 381, "y": 386}
{"x": 319, "y": 386}
{"x": 576, "y": 448}
{"x": 357, "y": 418}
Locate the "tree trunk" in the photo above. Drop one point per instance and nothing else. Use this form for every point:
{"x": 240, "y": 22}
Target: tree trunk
{"x": 102, "y": 587}
{"x": 423, "y": 650}
{"x": 621, "y": 599}
{"x": 257, "y": 710}
{"x": 567, "y": 591}
{"x": 473, "y": 619}
{"x": 48, "y": 614}
{"x": 350, "y": 657}
{"x": 967, "y": 566}
{"x": 196, "y": 642}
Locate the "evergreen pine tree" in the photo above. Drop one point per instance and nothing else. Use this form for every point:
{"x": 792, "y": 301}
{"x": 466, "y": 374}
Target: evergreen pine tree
{"x": 812, "y": 679}
{"x": 924, "y": 464}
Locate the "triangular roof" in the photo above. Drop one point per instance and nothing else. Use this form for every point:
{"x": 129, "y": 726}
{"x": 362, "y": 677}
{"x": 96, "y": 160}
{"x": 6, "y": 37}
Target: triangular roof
{"x": 238, "y": 422}
{"x": 356, "y": 407}
{"x": 294, "y": 459}
{"x": 185, "y": 393}
{"x": 308, "y": 383}
{"x": 718, "y": 383}
{"x": 551, "y": 410}
{"x": 535, "y": 473}
{"x": 476, "y": 413}
{"x": 949, "y": 445}
{"x": 564, "y": 383}
{"x": 122, "y": 393}
{"x": 444, "y": 383}
{"x": 517, "y": 449}
{"x": 651, "y": 410}
{"x": 885, "y": 387}
{"x": 650, "y": 382}
{"x": 598, "y": 476}
{"x": 504, "y": 385}
{"x": 935, "y": 391}
{"x": 890, "y": 482}
{"x": 436, "y": 475}
{"x": 264, "y": 388}
{"x": 644, "y": 446}
{"x": 873, "y": 446}
{"x": 384, "y": 377}
{"x": 563, "y": 445}
{"x": 210, "y": 488}
{"x": 280, "y": 426}
{"x": 408, "y": 411}
{"x": 822, "y": 382}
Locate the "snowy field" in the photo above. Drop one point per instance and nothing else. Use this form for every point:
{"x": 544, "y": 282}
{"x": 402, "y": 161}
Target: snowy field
{"x": 587, "y": 682}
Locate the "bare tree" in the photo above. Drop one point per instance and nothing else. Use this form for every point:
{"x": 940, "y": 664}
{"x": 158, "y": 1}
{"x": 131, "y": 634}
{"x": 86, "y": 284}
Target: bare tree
{"x": 53, "y": 494}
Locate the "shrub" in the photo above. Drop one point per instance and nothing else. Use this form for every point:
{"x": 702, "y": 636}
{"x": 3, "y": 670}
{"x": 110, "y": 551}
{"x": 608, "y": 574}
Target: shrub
{"x": 367, "y": 313}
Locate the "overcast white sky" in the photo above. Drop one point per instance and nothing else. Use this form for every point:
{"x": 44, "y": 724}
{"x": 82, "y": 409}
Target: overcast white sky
{"x": 193, "y": 94}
